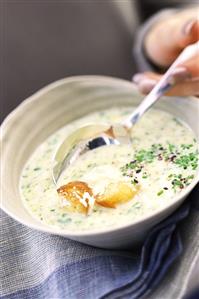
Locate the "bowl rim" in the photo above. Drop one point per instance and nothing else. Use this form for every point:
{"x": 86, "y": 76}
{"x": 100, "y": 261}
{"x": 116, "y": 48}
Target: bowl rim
{"x": 94, "y": 232}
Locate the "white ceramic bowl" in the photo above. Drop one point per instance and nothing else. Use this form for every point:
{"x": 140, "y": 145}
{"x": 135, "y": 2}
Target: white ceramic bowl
{"x": 51, "y": 108}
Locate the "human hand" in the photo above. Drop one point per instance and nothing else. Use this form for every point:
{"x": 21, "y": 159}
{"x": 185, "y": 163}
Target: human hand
{"x": 163, "y": 44}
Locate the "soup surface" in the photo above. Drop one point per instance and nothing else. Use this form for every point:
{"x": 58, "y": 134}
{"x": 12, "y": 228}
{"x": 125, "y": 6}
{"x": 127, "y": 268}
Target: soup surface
{"x": 125, "y": 182}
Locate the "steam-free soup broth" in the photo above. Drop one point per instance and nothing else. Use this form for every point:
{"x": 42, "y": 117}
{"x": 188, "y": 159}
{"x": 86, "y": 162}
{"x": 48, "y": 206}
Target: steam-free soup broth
{"x": 122, "y": 183}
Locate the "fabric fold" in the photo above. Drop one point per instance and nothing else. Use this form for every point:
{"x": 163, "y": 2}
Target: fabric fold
{"x": 161, "y": 248}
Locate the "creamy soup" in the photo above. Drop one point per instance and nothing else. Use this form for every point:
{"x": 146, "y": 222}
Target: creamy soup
{"x": 124, "y": 182}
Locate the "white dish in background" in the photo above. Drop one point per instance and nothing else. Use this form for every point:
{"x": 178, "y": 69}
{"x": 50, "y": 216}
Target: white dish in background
{"x": 50, "y": 109}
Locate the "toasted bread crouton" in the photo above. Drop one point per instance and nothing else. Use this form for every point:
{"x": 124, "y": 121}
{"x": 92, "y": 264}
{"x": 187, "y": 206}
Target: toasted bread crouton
{"x": 76, "y": 196}
{"x": 116, "y": 193}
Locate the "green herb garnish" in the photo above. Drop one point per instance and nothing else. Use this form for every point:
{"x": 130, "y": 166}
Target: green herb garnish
{"x": 160, "y": 192}
{"x": 186, "y": 146}
{"x": 189, "y": 160}
{"x": 179, "y": 182}
{"x": 170, "y": 153}
{"x": 171, "y": 147}
{"x": 145, "y": 156}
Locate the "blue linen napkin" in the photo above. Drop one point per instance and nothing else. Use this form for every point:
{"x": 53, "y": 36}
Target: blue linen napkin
{"x": 36, "y": 265}
{"x": 159, "y": 251}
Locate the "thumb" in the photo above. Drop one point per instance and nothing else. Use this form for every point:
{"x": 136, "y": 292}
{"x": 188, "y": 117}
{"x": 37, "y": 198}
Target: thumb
{"x": 189, "y": 33}
{"x": 168, "y": 38}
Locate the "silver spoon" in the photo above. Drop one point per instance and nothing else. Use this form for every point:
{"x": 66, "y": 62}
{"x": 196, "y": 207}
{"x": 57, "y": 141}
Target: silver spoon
{"x": 92, "y": 136}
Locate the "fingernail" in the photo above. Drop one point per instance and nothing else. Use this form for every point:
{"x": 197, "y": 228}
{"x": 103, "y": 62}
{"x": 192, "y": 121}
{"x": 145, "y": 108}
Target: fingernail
{"x": 178, "y": 75}
{"x": 147, "y": 85}
{"x": 187, "y": 28}
{"x": 137, "y": 78}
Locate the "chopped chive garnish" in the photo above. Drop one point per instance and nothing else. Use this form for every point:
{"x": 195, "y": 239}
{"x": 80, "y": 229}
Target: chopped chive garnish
{"x": 181, "y": 156}
{"x": 160, "y": 192}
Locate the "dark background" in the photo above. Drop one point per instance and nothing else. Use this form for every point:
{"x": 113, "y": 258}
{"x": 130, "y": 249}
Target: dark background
{"x": 43, "y": 41}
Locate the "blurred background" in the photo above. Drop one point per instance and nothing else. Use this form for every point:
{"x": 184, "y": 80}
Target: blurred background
{"x": 43, "y": 41}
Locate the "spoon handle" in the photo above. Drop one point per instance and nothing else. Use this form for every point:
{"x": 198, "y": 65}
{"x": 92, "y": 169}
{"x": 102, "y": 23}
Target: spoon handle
{"x": 161, "y": 87}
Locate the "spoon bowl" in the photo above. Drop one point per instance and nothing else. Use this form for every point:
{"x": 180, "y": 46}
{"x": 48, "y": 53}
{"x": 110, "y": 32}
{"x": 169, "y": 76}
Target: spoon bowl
{"x": 86, "y": 139}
